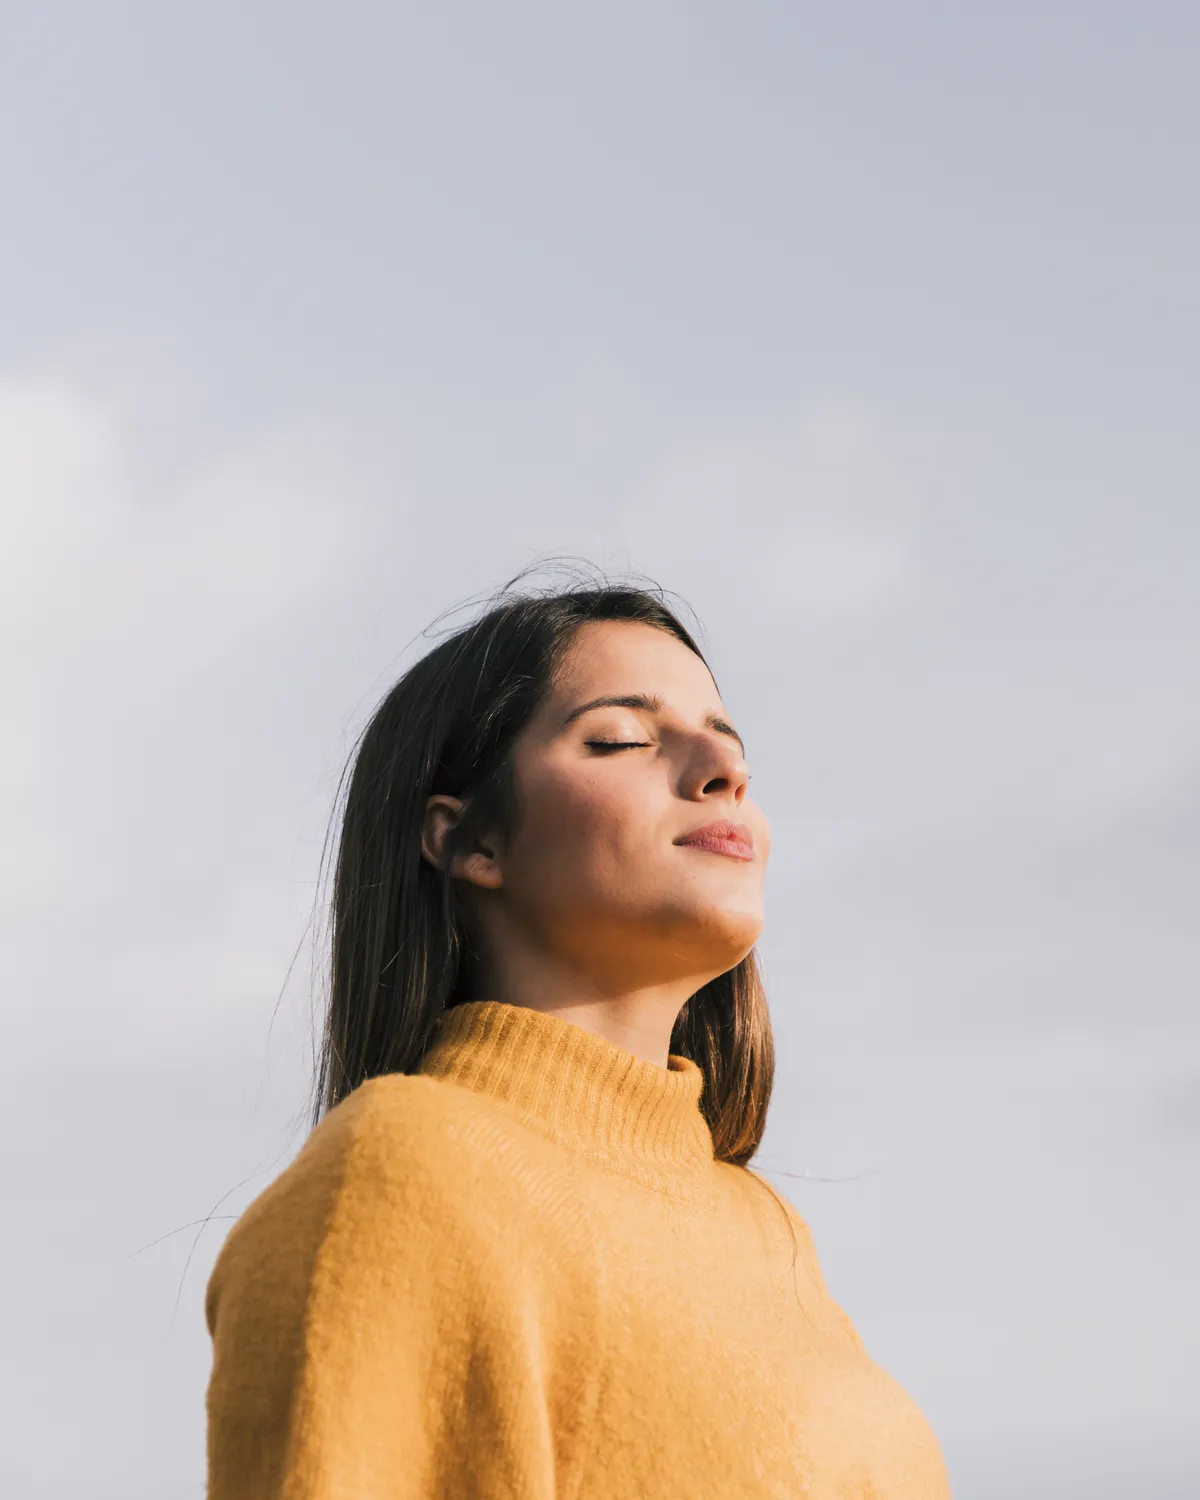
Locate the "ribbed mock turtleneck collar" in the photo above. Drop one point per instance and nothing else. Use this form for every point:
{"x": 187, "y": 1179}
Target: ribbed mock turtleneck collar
{"x": 582, "y": 1089}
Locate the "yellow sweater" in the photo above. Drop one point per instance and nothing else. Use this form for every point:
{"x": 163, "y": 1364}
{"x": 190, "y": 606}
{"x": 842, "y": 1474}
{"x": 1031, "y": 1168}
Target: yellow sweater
{"x": 520, "y": 1274}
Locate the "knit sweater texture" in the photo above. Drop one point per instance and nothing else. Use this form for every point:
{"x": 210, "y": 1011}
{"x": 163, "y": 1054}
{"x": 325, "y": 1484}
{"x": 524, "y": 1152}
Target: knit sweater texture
{"x": 520, "y": 1274}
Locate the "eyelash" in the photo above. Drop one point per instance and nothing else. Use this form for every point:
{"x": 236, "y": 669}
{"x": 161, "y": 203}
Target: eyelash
{"x": 604, "y": 745}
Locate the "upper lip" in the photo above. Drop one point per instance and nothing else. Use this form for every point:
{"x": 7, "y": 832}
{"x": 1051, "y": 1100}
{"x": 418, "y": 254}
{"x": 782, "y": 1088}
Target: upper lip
{"x": 721, "y": 832}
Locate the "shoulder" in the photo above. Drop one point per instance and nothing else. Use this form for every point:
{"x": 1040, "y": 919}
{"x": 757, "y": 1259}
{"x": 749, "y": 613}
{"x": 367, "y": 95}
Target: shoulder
{"x": 806, "y": 1250}
{"x": 786, "y": 1214}
{"x": 393, "y": 1170}
{"x": 752, "y": 1186}
{"x": 407, "y": 1133}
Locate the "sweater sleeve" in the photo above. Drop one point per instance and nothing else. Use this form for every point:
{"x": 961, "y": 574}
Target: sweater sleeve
{"x": 372, "y": 1335}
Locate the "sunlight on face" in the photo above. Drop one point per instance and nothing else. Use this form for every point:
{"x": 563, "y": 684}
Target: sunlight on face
{"x": 636, "y": 852}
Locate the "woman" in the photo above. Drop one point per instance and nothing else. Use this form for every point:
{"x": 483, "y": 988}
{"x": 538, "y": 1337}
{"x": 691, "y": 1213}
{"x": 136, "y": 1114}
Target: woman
{"x": 522, "y": 1254}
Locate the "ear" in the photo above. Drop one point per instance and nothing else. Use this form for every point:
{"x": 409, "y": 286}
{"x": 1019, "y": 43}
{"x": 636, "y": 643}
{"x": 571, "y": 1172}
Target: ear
{"x": 478, "y": 863}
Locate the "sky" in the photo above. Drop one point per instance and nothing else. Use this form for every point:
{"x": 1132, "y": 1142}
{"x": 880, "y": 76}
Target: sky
{"x": 871, "y": 331}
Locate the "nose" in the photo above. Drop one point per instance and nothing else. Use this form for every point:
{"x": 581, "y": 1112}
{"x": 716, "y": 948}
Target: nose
{"x": 716, "y": 768}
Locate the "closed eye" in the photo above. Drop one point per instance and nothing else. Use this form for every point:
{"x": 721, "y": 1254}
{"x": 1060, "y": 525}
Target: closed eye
{"x": 603, "y": 746}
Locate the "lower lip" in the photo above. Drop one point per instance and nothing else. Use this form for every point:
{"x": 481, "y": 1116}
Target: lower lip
{"x": 733, "y": 848}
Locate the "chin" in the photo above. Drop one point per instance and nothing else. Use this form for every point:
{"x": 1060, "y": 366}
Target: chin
{"x": 722, "y": 936}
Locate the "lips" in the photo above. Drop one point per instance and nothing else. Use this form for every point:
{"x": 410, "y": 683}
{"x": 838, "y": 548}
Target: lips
{"x": 731, "y": 839}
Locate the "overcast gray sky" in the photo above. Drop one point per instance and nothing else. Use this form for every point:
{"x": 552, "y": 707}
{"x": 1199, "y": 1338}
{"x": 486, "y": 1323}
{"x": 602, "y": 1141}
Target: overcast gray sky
{"x": 870, "y": 329}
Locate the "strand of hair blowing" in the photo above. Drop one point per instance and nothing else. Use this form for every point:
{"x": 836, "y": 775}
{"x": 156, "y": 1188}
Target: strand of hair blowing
{"x": 401, "y": 952}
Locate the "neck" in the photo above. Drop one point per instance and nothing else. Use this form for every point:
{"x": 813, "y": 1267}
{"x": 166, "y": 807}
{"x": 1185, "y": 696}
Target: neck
{"x": 637, "y": 1018}
{"x": 639, "y": 1023}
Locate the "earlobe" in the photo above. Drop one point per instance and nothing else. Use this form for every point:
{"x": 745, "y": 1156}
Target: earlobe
{"x": 479, "y": 867}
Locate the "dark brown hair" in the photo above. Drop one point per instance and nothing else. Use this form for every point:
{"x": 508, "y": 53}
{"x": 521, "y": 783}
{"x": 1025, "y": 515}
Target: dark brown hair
{"x": 400, "y": 954}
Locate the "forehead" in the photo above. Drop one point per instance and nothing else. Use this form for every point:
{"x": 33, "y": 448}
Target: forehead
{"x": 611, "y": 657}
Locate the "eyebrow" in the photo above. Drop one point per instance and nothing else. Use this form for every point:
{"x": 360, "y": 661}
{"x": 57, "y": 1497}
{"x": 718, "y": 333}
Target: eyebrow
{"x": 644, "y": 703}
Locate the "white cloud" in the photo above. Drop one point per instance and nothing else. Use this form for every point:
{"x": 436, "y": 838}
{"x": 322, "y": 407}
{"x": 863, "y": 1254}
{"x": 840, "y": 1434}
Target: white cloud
{"x": 140, "y": 634}
{"x": 253, "y": 537}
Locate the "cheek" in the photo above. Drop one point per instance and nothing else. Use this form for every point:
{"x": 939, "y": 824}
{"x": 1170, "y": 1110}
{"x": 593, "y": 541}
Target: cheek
{"x": 578, "y": 831}
{"x": 761, "y": 830}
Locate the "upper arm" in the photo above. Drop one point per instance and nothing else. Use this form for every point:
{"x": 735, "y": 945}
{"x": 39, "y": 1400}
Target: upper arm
{"x": 367, "y": 1338}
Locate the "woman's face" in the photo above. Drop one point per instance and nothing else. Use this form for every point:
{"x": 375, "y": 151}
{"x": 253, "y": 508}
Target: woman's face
{"x": 636, "y": 853}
